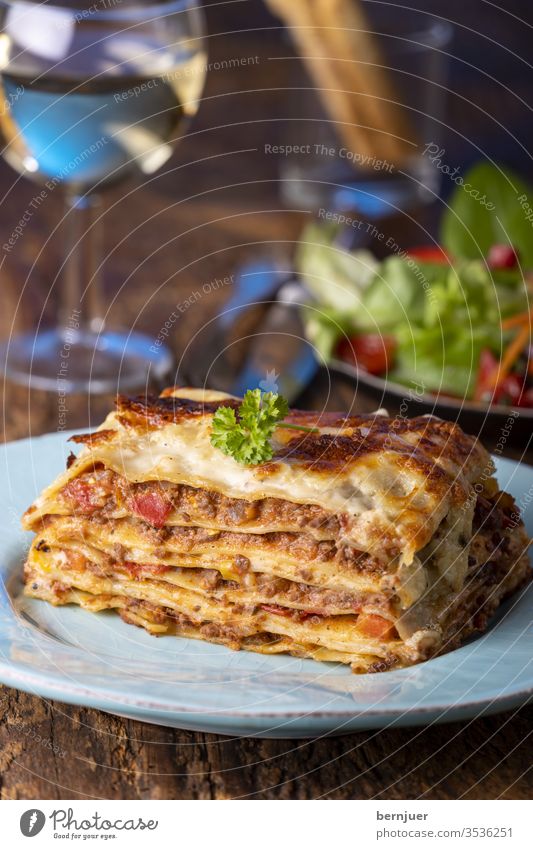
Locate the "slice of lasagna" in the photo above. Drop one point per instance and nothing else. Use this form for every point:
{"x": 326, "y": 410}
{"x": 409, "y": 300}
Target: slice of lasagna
{"x": 372, "y": 541}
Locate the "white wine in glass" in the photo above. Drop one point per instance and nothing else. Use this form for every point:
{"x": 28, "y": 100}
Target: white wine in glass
{"x": 90, "y": 95}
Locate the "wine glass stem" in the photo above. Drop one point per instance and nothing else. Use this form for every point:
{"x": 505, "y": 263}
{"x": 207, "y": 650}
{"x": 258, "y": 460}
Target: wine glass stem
{"x": 82, "y": 294}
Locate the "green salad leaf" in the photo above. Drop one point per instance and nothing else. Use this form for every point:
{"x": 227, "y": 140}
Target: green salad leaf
{"x": 324, "y": 327}
{"x": 336, "y": 277}
{"x": 441, "y": 334}
{"x": 396, "y": 294}
{"x": 486, "y": 210}
{"x": 437, "y": 359}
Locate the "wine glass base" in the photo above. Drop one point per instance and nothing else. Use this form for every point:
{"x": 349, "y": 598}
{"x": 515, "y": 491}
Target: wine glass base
{"x": 84, "y": 361}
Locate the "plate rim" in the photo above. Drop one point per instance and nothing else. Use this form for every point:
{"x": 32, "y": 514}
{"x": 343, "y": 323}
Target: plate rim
{"x": 510, "y": 698}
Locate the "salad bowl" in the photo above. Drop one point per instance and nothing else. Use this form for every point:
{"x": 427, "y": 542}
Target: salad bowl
{"x": 443, "y": 329}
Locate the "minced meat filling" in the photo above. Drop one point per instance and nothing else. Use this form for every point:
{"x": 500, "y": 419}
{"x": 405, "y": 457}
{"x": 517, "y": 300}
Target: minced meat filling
{"x": 104, "y": 491}
{"x": 267, "y": 587}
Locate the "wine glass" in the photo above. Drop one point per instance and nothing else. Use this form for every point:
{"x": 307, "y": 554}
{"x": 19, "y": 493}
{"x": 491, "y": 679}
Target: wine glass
{"x": 91, "y": 94}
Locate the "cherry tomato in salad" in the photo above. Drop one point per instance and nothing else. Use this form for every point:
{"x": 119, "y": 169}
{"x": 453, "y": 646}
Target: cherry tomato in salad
{"x": 430, "y": 253}
{"x": 502, "y": 256}
{"x": 511, "y": 390}
{"x": 488, "y": 367}
{"x": 369, "y": 351}
{"x": 527, "y": 398}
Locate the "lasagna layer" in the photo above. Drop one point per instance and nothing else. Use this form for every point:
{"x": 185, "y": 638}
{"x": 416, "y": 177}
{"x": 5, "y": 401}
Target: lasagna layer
{"x": 103, "y": 494}
{"x": 244, "y": 588}
{"x": 160, "y": 621}
{"x": 288, "y": 556}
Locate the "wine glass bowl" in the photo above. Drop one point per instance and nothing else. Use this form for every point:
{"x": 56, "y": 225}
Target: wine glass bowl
{"x": 91, "y": 96}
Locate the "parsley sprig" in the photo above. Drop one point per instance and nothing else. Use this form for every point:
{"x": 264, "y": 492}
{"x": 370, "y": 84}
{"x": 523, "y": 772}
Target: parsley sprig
{"x": 245, "y": 435}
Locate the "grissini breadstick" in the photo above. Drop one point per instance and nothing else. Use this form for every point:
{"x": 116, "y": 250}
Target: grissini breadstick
{"x": 344, "y": 61}
{"x": 350, "y": 35}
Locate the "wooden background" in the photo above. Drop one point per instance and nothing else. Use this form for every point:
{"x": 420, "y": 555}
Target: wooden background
{"x": 200, "y": 220}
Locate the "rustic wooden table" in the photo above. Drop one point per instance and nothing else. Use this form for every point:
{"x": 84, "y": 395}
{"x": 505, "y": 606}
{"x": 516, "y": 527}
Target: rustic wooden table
{"x": 195, "y": 223}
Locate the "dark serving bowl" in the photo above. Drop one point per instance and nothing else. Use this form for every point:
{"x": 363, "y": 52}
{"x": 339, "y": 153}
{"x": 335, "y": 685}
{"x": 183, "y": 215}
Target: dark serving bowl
{"x": 506, "y": 426}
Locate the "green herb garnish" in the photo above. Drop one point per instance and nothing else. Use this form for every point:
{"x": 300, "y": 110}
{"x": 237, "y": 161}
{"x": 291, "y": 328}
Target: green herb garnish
{"x": 245, "y": 435}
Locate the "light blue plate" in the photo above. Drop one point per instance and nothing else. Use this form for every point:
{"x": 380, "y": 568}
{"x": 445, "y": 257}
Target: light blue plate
{"x": 98, "y": 661}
